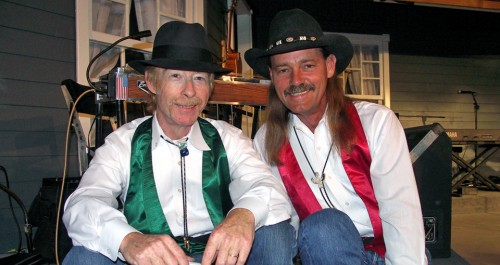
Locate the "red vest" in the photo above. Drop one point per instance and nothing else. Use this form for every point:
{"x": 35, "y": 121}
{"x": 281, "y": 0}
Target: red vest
{"x": 357, "y": 166}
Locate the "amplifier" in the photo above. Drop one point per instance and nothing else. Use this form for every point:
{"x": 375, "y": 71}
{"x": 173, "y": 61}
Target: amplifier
{"x": 43, "y": 215}
{"x": 430, "y": 149}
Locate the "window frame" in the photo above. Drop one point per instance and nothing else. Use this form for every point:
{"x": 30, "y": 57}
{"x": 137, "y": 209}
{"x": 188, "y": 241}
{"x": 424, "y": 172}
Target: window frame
{"x": 382, "y": 42}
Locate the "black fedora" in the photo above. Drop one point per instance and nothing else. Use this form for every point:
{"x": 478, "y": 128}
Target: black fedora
{"x": 293, "y": 30}
{"x": 181, "y": 46}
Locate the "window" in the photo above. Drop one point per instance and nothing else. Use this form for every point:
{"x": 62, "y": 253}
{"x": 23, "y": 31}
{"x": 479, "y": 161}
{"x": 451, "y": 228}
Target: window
{"x": 367, "y": 76}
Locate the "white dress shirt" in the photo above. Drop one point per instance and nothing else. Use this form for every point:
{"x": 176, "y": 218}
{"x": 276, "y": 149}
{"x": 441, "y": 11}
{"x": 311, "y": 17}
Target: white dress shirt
{"x": 91, "y": 214}
{"x": 391, "y": 173}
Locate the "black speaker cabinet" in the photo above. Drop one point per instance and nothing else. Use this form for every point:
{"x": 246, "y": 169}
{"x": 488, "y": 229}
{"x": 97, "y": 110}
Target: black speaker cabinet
{"x": 430, "y": 149}
{"x": 43, "y": 215}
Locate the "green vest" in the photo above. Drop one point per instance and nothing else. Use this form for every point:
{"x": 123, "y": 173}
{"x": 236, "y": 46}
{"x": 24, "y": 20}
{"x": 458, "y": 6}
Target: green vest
{"x": 142, "y": 189}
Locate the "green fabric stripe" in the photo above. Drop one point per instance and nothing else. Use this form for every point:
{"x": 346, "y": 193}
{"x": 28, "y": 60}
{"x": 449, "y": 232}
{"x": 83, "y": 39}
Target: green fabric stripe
{"x": 142, "y": 189}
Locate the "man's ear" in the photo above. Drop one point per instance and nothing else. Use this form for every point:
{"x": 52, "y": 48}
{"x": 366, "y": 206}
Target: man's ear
{"x": 331, "y": 61}
{"x": 149, "y": 84}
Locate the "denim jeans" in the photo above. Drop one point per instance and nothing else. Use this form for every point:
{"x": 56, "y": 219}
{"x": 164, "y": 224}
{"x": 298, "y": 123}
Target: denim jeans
{"x": 273, "y": 245}
{"x": 329, "y": 237}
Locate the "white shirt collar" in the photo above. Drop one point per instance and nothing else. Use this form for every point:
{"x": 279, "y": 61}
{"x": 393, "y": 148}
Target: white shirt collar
{"x": 195, "y": 138}
{"x": 301, "y": 126}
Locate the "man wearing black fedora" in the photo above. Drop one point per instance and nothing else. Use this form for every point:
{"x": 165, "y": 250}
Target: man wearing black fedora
{"x": 192, "y": 189}
{"x": 345, "y": 165}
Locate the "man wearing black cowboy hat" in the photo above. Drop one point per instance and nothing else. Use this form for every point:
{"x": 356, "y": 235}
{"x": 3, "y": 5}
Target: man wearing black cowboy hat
{"x": 345, "y": 164}
{"x": 192, "y": 189}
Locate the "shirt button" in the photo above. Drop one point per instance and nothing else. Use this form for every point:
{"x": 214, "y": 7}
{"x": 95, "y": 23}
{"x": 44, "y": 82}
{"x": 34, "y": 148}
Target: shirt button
{"x": 179, "y": 163}
{"x": 346, "y": 204}
{"x": 179, "y": 190}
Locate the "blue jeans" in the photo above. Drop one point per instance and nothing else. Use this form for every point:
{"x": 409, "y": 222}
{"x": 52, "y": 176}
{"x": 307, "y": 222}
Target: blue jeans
{"x": 273, "y": 245}
{"x": 330, "y": 237}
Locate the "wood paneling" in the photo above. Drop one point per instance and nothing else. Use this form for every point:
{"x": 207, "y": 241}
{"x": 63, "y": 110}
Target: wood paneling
{"x": 39, "y": 45}
{"x": 21, "y": 93}
{"x": 37, "y": 53}
{"x": 428, "y": 86}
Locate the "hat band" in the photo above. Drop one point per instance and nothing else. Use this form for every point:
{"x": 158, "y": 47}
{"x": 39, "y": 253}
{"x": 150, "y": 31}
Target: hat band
{"x": 176, "y": 52}
{"x": 291, "y": 39}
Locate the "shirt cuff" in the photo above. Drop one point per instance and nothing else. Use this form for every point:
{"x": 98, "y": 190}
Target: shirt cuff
{"x": 112, "y": 234}
{"x": 257, "y": 207}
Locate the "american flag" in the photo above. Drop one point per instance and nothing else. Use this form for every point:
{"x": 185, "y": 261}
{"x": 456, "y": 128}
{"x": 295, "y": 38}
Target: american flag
{"x": 121, "y": 85}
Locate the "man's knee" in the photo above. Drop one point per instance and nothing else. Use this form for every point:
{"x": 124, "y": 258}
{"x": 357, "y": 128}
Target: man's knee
{"x": 273, "y": 235}
{"x": 325, "y": 222}
{"x": 274, "y": 244}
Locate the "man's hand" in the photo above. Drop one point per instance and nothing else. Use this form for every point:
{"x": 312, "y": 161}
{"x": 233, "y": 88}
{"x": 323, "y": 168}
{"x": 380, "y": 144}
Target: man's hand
{"x": 143, "y": 249}
{"x": 231, "y": 241}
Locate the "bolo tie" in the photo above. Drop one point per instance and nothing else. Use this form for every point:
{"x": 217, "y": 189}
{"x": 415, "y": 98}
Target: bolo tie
{"x": 183, "y": 150}
{"x": 317, "y": 179}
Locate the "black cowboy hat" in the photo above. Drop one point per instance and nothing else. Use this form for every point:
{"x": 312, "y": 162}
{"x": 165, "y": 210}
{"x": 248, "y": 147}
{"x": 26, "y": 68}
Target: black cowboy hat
{"x": 181, "y": 46}
{"x": 293, "y": 30}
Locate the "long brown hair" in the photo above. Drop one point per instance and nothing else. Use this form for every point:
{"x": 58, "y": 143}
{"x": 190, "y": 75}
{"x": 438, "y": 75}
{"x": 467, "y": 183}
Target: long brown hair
{"x": 338, "y": 122}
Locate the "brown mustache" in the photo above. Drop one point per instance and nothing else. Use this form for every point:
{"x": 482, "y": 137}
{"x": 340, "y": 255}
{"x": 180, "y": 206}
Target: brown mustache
{"x": 299, "y": 89}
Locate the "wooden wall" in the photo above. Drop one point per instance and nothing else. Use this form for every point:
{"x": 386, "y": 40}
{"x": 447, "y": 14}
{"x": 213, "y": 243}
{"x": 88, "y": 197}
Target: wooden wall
{"x": 427, "y": 86}
{"x": 37, "y": 52}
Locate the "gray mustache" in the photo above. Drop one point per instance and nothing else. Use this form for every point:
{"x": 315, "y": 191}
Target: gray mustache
{"x": 188, "y": 102}
{"x": 298, "y": 89}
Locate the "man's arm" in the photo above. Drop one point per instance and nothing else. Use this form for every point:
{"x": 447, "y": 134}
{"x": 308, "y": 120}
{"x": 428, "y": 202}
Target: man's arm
{"x": 396, "y": 190}
{"x": 91, "y": 213}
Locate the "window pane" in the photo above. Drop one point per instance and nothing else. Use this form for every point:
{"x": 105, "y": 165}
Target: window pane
{"x": 370, "y": 53}
{"x": 147, "y": 13}
{"x": 356, "y": 58}
{"x": 108, "y": 17}
{"x": 371, "y": 87}
{"x": 173, "y": 7}
{"x": 353, "y": 83}
{"x": 164, "y": 19}
{"x": 371, "y": 70}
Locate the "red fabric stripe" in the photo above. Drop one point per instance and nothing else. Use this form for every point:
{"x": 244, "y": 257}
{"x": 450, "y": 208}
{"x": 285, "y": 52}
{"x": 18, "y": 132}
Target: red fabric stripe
{"x": 357, "y": 166}
{"x": 296, "y": 185}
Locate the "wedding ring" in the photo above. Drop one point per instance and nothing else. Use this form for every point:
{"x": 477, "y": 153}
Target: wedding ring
{"x": 234, "y": 256}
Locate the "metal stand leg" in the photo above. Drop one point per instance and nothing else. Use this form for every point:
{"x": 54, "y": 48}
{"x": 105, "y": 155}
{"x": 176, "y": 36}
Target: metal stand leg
{"x": 464, "y": 166}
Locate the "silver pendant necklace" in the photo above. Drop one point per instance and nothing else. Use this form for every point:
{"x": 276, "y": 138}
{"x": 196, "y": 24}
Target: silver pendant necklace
{"x": 182, "y": 145}
{"x": 317, "y": 179}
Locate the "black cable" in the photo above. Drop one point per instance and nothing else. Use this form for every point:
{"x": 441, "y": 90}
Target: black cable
{"x": 27, "y": 227}
{"x": 18, "y": 226}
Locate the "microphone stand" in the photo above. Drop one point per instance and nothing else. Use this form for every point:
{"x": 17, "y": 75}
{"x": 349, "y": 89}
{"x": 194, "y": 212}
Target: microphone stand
{"x": 99, "y": 137}
{"x": 476, "y": 108}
